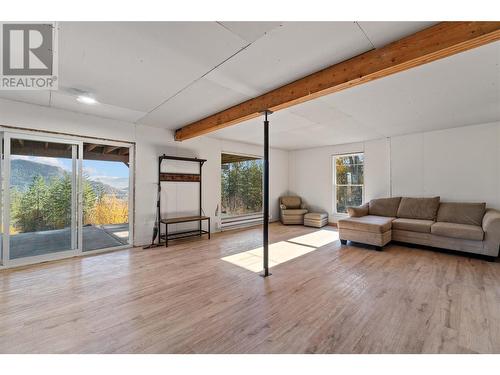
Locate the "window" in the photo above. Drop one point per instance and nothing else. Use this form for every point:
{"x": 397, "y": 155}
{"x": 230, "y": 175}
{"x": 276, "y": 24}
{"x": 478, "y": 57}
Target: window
{"x": 348, "y": 181}
{"x": 241, "y": 185}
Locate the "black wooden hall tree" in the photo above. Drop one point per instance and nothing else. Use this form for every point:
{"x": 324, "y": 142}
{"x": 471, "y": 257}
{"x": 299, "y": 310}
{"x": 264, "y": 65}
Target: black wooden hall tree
{"x": 163, "y": 238}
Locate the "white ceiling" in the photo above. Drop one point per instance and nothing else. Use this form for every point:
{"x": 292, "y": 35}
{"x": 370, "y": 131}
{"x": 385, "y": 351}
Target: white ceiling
{"x": 463, "y": 89}
{"x": 167, "y": 74}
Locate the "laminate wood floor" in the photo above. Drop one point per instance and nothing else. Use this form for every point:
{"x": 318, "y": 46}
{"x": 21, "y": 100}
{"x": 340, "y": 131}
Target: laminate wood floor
{"x": 186, "y": 299}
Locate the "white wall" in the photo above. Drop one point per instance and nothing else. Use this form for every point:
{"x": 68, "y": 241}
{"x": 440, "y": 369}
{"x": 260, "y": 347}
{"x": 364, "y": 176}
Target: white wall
{"x": 311, "y": 173}
{"x": 377, "y": 169}
{"x": 459, "y": 164}
{"x": 150, "y": 143}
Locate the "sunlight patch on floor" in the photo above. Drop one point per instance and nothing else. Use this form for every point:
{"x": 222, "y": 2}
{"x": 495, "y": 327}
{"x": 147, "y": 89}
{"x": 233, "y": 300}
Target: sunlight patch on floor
{"x": 317, "y": 239}
{"x": 283, "y": 251}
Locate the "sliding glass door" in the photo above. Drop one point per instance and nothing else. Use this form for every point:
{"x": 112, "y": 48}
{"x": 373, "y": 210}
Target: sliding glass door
{"x": 40, "y": 198}
{"x": 62, "y": 197}
{"x": 106, "y": 196}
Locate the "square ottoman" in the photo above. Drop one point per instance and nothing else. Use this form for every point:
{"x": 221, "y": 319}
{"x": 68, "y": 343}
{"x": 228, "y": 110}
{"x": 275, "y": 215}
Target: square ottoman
{"x": 315, "y": 219}
{"x": 368, "y": 229}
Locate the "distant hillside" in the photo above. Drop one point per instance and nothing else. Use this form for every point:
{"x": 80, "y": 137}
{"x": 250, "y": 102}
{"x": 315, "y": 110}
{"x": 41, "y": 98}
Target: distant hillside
{"x": 100, "y": 187}
{"x": 23, "y": 172}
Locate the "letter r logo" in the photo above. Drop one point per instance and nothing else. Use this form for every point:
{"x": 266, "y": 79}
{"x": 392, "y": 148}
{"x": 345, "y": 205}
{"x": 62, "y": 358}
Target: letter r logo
{"x": 27, "y": 49}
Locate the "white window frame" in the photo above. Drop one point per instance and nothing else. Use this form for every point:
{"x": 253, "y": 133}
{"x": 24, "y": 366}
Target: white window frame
{"x": 335, "y": 185}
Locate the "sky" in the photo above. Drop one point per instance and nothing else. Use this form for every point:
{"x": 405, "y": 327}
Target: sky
{"x": 112, "y": 173}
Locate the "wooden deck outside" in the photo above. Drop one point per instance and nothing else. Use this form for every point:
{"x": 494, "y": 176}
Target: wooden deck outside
{"x": 52, "y": 241}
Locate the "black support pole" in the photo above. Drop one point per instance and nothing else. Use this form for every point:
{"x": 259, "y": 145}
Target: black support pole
{"x": 265, "y": 234}
{"x": 200, "y": 210}
{"x": 158, "y": 202}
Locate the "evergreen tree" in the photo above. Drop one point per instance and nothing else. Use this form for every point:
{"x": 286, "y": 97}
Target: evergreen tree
{"x": 241, "y": 187}
{"x": 89, "y": 200}
{"x": 30, "y": 213}
{"x": 58, "y": 207}
{"x": 47, "y": 206}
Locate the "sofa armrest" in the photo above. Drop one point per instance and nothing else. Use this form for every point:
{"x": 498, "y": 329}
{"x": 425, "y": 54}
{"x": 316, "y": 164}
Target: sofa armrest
{"x": 282, "y": 207}
{"x": 491, "y": 228}
{"x": 358, "y": 211}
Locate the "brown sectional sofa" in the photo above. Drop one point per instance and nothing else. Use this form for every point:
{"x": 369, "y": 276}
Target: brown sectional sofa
{"x": 468, "y": 227}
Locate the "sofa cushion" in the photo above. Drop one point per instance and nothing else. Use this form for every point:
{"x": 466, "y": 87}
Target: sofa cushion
{"x": 294, "y": 211}
{"x": 291, "y": 202}
{"x": 368, "y": 223}
{"x": 358, "y": 211}
{"x": 454, "y": 230}
{"x": 384, "y": 206}
{"x": 413, "y": 225}
{"x": 461, "y": 213}
{"x": 418, "y": 208}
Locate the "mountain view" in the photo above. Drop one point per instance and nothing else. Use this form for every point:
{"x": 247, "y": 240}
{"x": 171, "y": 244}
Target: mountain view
{"x": 23, "y": 172}
{"x": 41, "y": 197}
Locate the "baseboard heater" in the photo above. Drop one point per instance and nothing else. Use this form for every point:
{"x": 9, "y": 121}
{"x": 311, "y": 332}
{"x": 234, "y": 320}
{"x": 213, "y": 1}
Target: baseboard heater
{"x": 241, "y": 221}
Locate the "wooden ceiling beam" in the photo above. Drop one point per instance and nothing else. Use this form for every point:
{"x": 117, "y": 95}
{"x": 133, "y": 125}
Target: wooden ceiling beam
{"x": 124, "y": 151}
{"x": 234, "y": 158}
{"x": 105, "y": 157}
{"x": 38, "y": 149}
{"x": 109, "y": 149}
{"x": 436, "y": 42}
{"x": 90, "y": 147}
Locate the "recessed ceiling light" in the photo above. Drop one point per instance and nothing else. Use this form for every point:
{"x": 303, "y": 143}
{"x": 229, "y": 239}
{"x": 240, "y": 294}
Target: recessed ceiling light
{"x": 85, "y": 99}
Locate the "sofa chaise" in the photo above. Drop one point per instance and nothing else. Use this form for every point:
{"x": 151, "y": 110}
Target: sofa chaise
{"x": 467, "y": 227}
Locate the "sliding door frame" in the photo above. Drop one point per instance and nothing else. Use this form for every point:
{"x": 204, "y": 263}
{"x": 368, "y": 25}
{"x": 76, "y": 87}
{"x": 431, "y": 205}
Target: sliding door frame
{"x": 131, "y": 195}
{"x": 8, "y": 133}
{"x": 75, "y": 224}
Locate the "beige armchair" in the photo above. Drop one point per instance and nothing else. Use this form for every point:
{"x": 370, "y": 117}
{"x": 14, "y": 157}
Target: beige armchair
{"x": 292, "y": 210}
